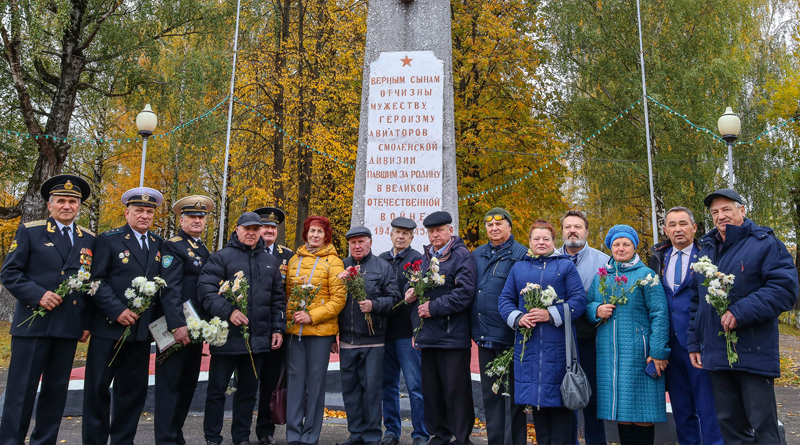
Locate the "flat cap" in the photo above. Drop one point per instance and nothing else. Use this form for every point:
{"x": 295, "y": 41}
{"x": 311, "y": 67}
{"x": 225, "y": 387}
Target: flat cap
{"x": 249, "y": 219}
{"x": 271, "y": 216}
{"x": 143, "y": 197}
{"x": 722, "y": 193}
{"x": 358, "y": 231}
{"x": 437, "y": 219}
{"x": 195, "y": 205}
{"x": 404, "y": 223}
{"x": 66, "y": 185}
{"x": 498, "y": 211}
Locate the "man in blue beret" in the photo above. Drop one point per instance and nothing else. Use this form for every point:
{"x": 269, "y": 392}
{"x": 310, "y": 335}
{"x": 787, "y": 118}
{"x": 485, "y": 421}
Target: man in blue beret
{"x": 765, "y": 285}
{"x": 445, "y": 337}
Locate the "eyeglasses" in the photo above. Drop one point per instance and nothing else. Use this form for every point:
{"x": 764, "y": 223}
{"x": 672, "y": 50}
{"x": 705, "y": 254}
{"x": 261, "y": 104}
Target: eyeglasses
{"x": 494, "y": 217}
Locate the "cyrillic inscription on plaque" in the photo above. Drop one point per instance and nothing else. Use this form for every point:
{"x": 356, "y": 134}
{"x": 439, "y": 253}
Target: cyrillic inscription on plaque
{"x": 404, "y": 145}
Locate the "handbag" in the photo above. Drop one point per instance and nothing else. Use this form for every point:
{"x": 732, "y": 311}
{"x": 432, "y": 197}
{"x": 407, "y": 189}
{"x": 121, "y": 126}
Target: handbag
{"x": 575, "y": 389}
{"x": 277, "y": 402}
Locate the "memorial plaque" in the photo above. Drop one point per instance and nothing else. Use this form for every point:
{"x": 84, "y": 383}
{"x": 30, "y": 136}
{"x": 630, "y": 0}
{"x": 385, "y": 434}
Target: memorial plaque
{"x": 406, "y": 162}
{"x": 404, "y": 143}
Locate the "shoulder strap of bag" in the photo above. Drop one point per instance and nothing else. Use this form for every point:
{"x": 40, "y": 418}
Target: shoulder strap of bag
{"x": 280, "y": 379}
{"x": 572, "y": 353}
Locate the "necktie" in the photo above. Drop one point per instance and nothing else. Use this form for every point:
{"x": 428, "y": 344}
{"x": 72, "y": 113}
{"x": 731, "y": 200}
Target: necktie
{"x": 676, "y": 281}
{"x": 144, "y": 244}
{"x": 65, "y": 231}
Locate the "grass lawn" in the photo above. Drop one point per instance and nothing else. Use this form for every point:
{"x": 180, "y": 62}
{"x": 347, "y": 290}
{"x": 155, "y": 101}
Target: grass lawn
{"x": 5, "y": 347}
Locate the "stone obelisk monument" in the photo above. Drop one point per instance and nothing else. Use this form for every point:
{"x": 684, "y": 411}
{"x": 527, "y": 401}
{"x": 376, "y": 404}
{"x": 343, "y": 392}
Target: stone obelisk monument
{"x": 406, "y": 163}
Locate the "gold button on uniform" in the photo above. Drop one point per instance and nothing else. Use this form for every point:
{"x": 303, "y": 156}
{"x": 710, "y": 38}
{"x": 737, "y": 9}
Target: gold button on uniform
{"x": 74, "y": 302}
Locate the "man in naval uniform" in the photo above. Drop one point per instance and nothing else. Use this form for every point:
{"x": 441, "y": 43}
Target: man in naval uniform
{"x": 271, "y": 218}
{"x": 42, "y": 256}
{"x": 121, "y": 254}
{"x": 182, "y": 259}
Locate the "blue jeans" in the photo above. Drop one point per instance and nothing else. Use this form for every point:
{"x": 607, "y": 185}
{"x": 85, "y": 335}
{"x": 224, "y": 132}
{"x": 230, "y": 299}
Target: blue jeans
{"x": 399, "y": 354}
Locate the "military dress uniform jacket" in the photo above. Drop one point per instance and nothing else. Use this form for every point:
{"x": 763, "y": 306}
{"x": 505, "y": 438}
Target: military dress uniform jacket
{"x": 118, "y": 259}
{"x": 182, "y": 259}
{"x": 283, "y": 254}
{"x": 39, "y": 260}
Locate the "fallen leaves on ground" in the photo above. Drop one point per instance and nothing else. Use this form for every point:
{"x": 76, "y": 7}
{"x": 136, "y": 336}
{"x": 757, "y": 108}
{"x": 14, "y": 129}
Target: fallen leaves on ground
{"x": 335, "y": 414}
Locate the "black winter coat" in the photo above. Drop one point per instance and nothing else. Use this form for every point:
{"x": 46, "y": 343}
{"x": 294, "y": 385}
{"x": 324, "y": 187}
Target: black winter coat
{"x": 266, "y": 302}
{"x": 381, "y": 287}
{"x": 398, "y": 323}
{"x": 448, "y": 326}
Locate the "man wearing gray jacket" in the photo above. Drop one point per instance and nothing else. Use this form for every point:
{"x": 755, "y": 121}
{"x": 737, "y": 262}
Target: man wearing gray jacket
{"x": 575, "y": 230}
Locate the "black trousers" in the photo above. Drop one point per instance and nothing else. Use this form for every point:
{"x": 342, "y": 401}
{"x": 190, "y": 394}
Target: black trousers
{"x": 746, "y": 407}
{"x": 176, "y": 380}
{"x": 220, "y": 370}
{"x": 268, "y": 375}
{"x": 553, "y": 426}
{"x": 447, "y": 393}
{"x": 31, "y": 358}
{"x": 361, "y": 391}
{"x": 506, "y": 422}
{"x": 129, "y": 372}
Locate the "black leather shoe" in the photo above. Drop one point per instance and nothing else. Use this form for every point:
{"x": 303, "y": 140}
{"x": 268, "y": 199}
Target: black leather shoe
{"x": 352, "y": 441}
{"x": 389, "y": 440}
{"x": 420, "y": 441}
{"x": 266, "y": 441}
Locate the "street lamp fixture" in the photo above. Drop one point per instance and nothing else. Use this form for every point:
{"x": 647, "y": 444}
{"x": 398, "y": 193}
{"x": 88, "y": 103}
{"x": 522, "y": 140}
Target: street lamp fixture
{"x": 729, "y": 126}
{"x": 146, "y": 122}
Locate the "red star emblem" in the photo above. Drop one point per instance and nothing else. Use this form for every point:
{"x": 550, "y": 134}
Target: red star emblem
{"x": 406, "y": 61}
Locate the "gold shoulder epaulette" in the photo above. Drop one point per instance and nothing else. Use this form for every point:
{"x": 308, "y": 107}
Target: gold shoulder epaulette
{"x": 175, "y": 239}
{"x": 30, "y": 224}
{"x": 86, "y": 230}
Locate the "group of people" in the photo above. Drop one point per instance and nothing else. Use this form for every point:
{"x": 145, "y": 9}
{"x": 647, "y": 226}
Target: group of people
{"x": 639, "y": 329}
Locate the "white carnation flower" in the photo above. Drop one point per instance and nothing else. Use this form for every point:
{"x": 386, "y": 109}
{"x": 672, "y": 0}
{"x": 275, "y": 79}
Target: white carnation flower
{"x": 93, "y": 287}
{"x": 130, "y": 293}
{"x": 138, "y": 302}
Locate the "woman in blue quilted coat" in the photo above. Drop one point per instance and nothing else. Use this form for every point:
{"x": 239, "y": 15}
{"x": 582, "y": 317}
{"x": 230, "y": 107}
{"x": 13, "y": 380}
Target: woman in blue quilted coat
{"x": 630, "y": 335}
{"x": 537, "y": 378}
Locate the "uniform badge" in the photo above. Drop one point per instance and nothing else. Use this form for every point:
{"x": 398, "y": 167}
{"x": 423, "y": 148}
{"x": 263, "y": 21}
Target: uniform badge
{"x": 124, "y": 261}
{"x": 121, "y": 255}
{"x": 13, "y": 246}
{"x": 128, "y": 236}
{"x": 167, "y": 261}
{"x": 49, "y": 244}
{"x": 158, "y": 256}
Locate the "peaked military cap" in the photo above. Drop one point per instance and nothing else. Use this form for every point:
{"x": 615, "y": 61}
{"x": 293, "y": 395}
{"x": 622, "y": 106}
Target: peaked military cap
{"x": 198, "y": 205}
{"x": 271, "y": 216}
{"x": 66, "y": 185}
{"x": 142, "y": 196}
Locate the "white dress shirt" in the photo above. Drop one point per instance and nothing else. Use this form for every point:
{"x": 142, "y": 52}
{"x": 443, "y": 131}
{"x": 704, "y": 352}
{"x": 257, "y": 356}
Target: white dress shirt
{"x": 669, "y": 274}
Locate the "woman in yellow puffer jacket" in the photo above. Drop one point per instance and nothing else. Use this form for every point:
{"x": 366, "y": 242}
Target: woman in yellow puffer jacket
{"x": 312, "y": 330}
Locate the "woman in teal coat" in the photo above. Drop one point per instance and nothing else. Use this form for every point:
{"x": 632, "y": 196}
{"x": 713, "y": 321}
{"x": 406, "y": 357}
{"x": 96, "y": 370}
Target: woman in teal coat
{"x": 631, "y": 334}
